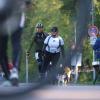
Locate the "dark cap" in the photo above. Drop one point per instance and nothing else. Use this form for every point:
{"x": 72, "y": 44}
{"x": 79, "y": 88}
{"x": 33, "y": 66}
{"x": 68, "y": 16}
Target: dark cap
{"x": 54, "y": 29}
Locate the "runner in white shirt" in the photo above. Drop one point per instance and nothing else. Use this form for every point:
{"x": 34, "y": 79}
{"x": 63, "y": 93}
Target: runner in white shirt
{"x": 53, "y": 46}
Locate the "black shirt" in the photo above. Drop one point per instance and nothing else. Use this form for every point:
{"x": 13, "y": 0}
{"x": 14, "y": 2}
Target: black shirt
{"x": 39, "y": 40}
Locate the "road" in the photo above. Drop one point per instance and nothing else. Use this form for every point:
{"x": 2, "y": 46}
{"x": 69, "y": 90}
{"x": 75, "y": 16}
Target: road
{"x": 69, "y": 92}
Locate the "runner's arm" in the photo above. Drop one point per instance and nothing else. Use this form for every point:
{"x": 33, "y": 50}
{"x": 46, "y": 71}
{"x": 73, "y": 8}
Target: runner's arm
{"x": 44, "y": 48}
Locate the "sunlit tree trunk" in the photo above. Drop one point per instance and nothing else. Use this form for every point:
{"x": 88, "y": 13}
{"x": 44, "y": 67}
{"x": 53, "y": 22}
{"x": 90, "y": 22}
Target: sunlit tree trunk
{"x": 83, "y": 9}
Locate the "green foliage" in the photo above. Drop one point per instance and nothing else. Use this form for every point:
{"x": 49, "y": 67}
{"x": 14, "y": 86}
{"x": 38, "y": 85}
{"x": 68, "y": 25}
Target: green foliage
{"x": 69, "y": 6}
{"x": 87, "y": 52}
{"x": 85, "y": 77}
{"x": 97, "y": 13}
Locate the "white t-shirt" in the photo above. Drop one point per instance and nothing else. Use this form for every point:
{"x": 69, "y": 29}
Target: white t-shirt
{"x": 53, "y": 44}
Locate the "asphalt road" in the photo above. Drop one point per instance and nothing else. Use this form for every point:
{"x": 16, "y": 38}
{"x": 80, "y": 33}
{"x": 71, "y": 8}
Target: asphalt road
{"x": 51, "y": 92}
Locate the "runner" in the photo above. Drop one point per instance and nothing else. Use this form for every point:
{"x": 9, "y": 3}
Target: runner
{"x": 12, "y": 17}
{"x": 37, "y": 42}
{"x": 53, "y": 46}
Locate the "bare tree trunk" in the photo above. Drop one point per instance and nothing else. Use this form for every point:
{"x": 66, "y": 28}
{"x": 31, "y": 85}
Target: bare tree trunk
{"x": 83, "y": 8}
{"x": 83, "y": 17}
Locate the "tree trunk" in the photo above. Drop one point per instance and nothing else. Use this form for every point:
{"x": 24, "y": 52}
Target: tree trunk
{"x": 83, "y": 8}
